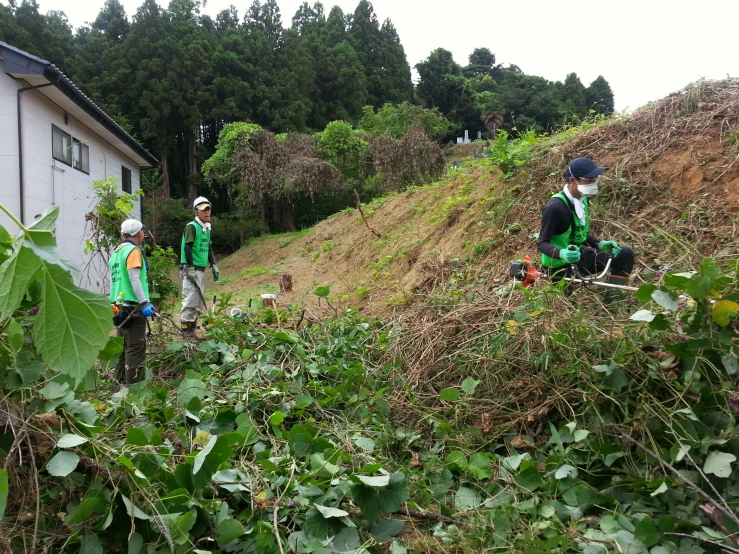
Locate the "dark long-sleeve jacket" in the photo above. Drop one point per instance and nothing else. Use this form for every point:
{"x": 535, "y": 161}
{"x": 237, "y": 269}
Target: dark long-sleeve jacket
{"x": 556, "y": 218}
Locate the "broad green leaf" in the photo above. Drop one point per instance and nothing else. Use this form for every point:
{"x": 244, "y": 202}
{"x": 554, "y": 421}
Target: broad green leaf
{"x": 276, "y": 418}
{"x": 323, "y": 291}
{"x": 200, "y": 458}
{"x": 15, "y": 335}
{"x": 699, "y": 286}
{"x": 386, "y": 529}
{"x": 90, "y": 544}
{"x": 346, "y": 540}
{"x": 659, "y": 490}
{"x": 72, "y": 326}
{"x": 320, "y": 527}
{"x": 627, "y": 543}
{"x": 136, "y": 437}
{"x": 189, "y": 389}
{"x": 70, "y": 441}
{"x": 325, "y": 469}
{"x": 366, "y": 444}
{"x": 469, "y": 385}
{"x": 4, "y": 491}
{"x": 366, "y": 498}
{"x": 378, "y": 481}
{"x": 529, "y": 478}
{"x": 15, "y": 274}
{"x": 731, "y": 365}
{"x": 616, "y": 381}
{"x": 227, "y": 531}
{"x": 52, "y": 256}
{"x": 135, "y": 543}
{"x": 724, "y": 311}
{"x": 179, "y": 525}
{"x": 645, "y": 291}
{"x": 112, "y": 350}
{"x": 456, "y": 460}
{"x": 62, "y": 464}
{"x": 479, "y": 466}
{"x": 643, "y": 315}
{"x": 665, "y": 300}
{"x": 372, "y": 500}
{"x": 394, "y": 495}
{"x": 646, "y": 532}
{"x": 328, "y": 511}
{"x": 512, "y": 463}
{"x": 54, "y": 390}
{"x": 133, "y": 510}
{"x": 580, "y": 435}
{"x": 580, "y": 496}
{"x": 83, "y": 511}
{"x": 466, "y": 498}
{"x": 565, "y": 471}
{"x": 710, "y": 269}
{"x": 4, "y": 236}
{"x": 450, "y": 395}
{"x": 719, "y": 463}
{"x": 302, "y": 443}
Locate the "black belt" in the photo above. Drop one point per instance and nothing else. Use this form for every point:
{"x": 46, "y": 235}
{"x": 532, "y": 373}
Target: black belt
{"x": 195, "y": 267}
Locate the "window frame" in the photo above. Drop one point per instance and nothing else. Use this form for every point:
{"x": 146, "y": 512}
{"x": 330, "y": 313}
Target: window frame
{"x": 84, "y": 152}
{"x": 62, "y": 132}
{"x": 125, "y": 171}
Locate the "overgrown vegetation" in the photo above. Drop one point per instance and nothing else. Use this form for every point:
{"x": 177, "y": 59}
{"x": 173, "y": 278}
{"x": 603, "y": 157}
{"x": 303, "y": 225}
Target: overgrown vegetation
{"x": 309, "y": 437}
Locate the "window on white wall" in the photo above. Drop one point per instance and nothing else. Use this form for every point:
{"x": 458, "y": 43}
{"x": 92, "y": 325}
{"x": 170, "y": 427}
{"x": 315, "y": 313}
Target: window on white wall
{"x": 80, "y": 156}
{"x": 126, "y": 179}
{"x": 61, "y": 143}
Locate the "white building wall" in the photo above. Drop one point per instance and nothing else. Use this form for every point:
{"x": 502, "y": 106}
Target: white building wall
{"x": 51, "y": 182}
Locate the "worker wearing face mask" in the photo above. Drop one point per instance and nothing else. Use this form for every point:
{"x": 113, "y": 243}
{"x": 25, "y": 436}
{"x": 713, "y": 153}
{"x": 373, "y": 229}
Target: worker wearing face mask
{"x": 564, "y": 239}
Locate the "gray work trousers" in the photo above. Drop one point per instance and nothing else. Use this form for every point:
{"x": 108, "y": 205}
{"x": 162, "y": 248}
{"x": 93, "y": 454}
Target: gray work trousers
{"x": 130, "y": 367}
{"x": 193, "y": 301}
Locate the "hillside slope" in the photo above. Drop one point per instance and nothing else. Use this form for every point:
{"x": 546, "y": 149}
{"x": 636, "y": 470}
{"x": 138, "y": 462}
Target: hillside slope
{"x": 672, "y": 193}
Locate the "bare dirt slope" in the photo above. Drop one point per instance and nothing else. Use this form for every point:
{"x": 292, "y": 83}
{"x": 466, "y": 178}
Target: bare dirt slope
{"x": 376, "y": 275}
{"x": 672, "y": 193}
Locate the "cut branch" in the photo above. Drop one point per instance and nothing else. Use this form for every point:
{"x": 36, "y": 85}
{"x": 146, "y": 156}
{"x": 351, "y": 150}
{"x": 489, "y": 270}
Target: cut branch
{"x": 359, "y": 207}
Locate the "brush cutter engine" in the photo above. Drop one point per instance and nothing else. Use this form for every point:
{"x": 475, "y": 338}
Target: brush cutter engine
{"x": 524, "y": 270}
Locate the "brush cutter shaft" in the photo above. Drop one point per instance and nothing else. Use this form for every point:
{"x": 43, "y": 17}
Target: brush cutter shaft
{"x": 600, "y": 284}
{"x": 592, "y": 279}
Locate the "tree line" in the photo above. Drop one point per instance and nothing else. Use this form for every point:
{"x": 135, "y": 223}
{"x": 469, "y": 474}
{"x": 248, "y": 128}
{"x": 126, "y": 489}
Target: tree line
{"x": 175, "y": 78}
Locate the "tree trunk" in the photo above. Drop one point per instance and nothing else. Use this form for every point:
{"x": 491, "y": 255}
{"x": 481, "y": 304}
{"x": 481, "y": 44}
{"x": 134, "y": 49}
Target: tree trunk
{"x": 263, "y": 214}
{"x": 286, "y": 215}
{"x": 192, "y": 166}
{"x": 165, "y": 176}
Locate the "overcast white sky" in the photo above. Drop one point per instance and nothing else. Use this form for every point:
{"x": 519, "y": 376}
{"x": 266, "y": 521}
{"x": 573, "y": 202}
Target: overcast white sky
{"x": 646, "y": 49}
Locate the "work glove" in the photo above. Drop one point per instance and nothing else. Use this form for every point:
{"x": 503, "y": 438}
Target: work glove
{"x": 191, "y": 275}
{"x": 609, "y": 246}
{"x": 571, "y": 255}
{"x": 216, "y": 273}
{"x": 148, "y": 310}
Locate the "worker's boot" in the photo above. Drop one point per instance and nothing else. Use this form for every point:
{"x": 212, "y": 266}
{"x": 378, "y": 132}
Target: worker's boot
{"x": 188, "y": 327}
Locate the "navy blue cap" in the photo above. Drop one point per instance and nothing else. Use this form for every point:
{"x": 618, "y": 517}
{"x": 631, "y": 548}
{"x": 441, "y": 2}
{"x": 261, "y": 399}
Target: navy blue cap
{"x": 583, "y": 168}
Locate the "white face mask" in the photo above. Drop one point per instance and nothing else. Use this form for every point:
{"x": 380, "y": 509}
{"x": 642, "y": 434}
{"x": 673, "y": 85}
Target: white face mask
{"x": 588, "y": 190}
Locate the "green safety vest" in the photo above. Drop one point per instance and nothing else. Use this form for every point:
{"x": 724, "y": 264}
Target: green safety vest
{"x": 577, "y": 234}
{"x": 119, "y": 279}
{"x": 200, "y": 247}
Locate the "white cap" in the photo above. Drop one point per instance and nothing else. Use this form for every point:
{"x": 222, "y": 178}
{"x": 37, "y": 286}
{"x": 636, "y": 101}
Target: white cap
{"x": 131, "y": 227}
{"x": 199, "y": 201}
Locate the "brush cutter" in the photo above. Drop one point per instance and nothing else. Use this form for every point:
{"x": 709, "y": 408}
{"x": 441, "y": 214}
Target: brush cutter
{"x": 524, "y": 270}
